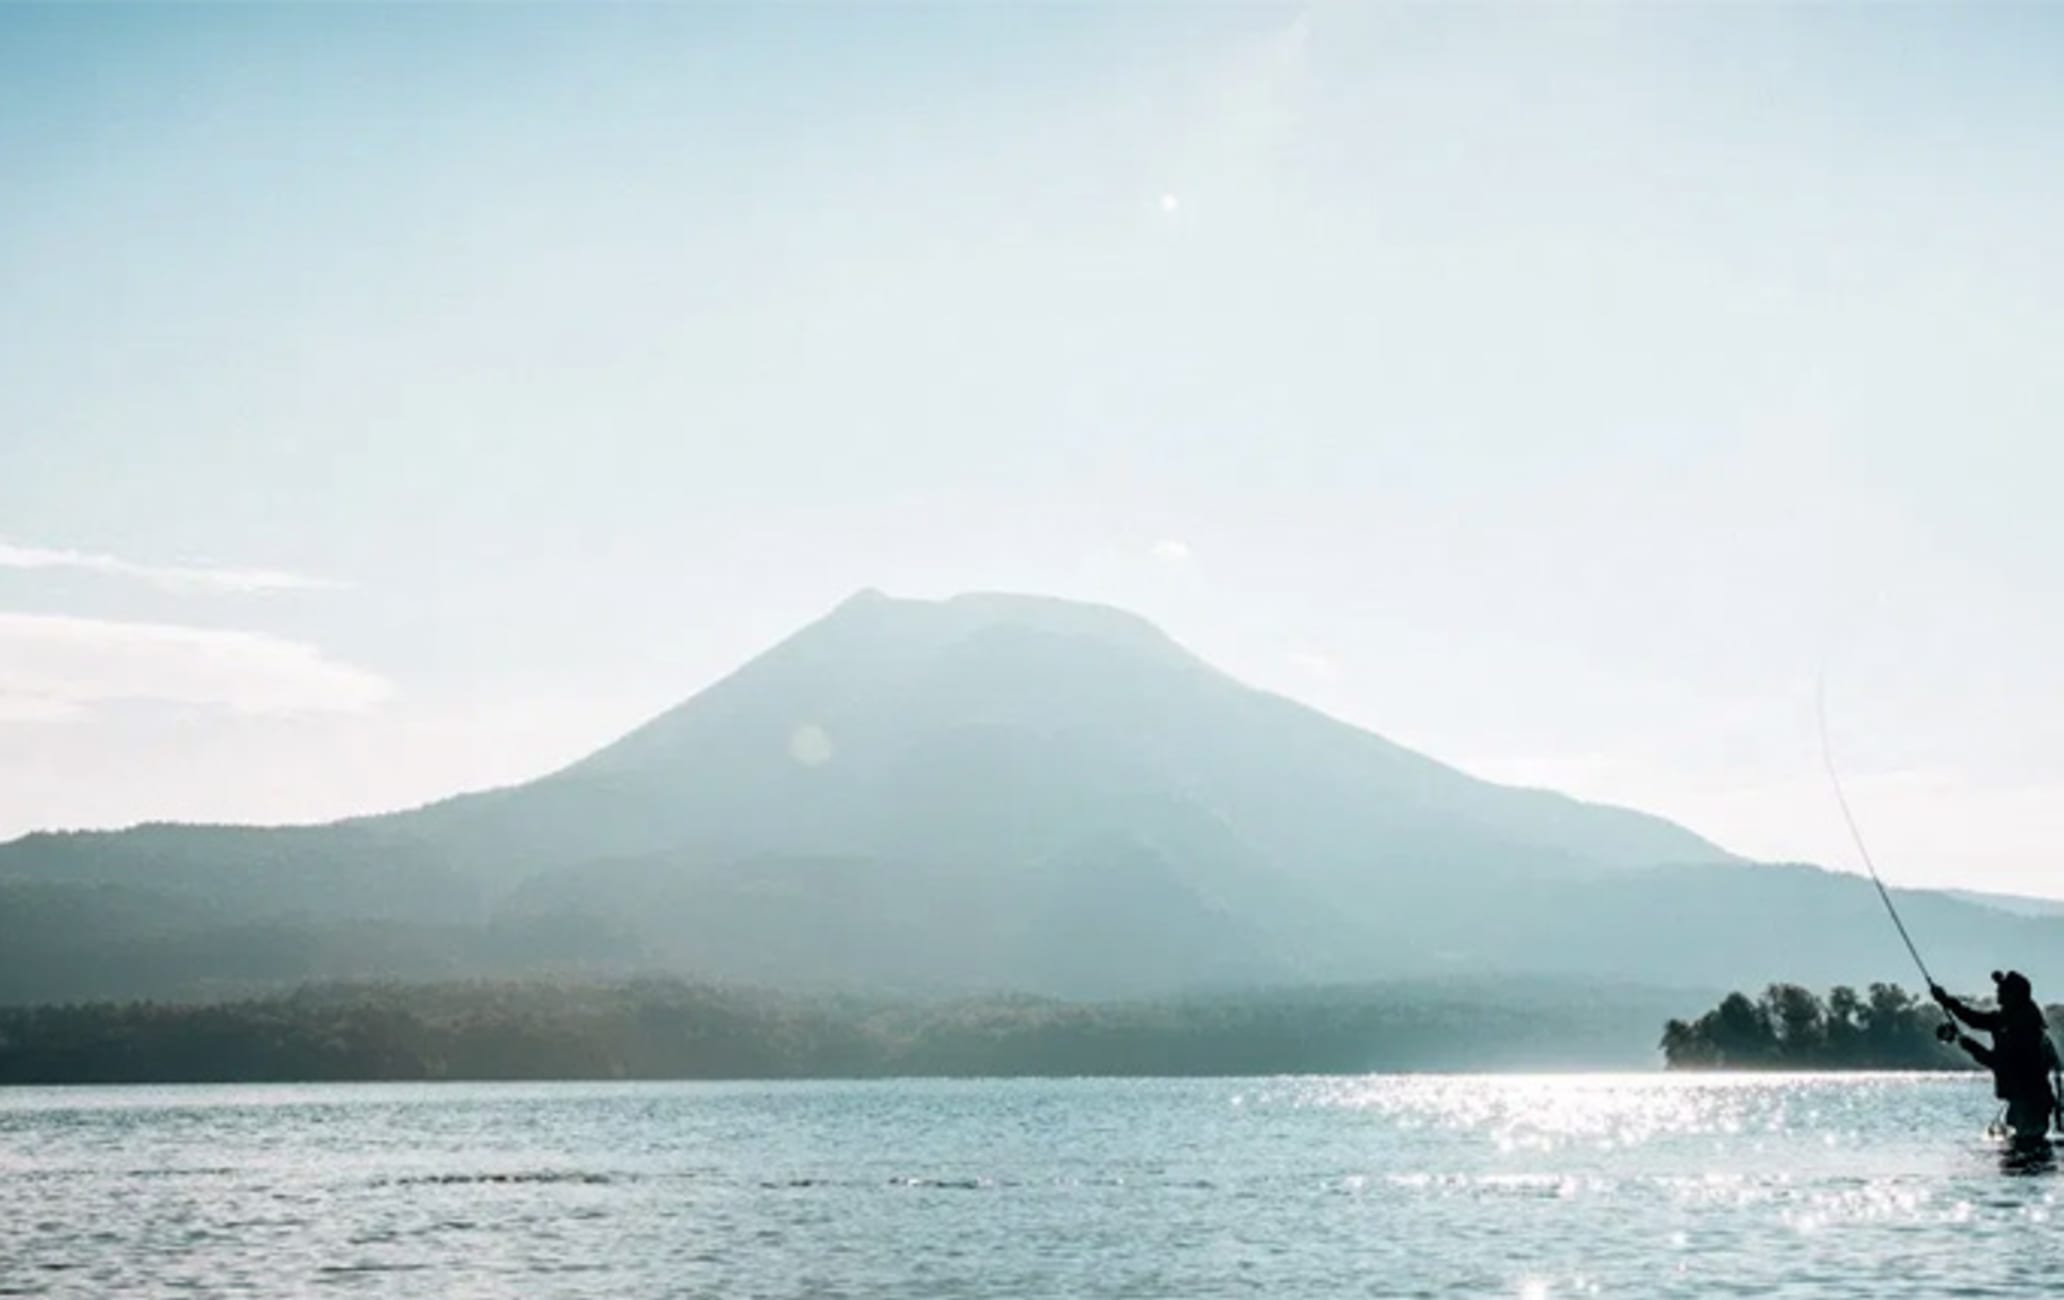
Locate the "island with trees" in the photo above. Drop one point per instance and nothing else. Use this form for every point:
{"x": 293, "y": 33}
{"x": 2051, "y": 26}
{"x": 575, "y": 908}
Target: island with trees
{"x": 1788, "y": 1027}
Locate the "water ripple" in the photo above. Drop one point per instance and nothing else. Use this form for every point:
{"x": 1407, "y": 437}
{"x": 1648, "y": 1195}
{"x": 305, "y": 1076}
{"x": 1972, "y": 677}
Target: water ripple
{"x": 1541, "y": 1187}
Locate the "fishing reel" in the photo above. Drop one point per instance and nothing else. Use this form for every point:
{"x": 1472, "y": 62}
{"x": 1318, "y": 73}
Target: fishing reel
{"x": 1946, "y": 1032}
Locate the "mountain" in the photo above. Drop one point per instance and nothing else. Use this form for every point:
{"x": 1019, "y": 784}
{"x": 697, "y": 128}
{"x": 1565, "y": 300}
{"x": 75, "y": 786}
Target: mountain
{"x": 992, "y": 792}
{"x": 2014, "y": 904}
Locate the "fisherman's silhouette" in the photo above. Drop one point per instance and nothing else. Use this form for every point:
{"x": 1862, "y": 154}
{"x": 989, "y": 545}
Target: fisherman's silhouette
{"x": 2022, "y": 1058}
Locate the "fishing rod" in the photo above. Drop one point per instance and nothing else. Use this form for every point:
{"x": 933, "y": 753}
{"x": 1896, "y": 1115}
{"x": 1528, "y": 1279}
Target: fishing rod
{"x": 1947, "y": 1032}
{"x": 1827, "y": 758}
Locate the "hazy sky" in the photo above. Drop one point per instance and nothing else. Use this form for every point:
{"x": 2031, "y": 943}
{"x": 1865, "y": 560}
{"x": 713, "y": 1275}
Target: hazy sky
{"x": 394, "y": 401}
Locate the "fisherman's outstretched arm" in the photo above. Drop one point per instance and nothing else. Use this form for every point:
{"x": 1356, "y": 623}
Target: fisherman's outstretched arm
{"x": 1970, "y": 1015}
{"x": 1979, "y": 1051}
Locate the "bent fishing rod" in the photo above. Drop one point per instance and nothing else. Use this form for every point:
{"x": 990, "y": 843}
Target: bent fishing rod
{"x": 1827, "y": 758}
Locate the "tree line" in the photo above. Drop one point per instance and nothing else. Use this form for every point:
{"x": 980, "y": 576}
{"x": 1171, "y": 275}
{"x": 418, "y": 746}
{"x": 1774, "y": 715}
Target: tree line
{"x": 663, "y": 1028}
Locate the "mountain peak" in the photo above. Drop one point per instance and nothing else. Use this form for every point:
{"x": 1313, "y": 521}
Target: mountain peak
{"x": 1077, "y": 617}
{"x": 863, "y": 599}
{"x": 873, "y": 612}
{"x": 989, "y": 790}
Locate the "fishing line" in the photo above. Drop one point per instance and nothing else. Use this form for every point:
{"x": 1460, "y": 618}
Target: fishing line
{"x": 1827, "y": 758}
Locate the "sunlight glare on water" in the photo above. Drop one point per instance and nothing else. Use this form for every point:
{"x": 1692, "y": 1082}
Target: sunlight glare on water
{"x": 1548, "y": 1186}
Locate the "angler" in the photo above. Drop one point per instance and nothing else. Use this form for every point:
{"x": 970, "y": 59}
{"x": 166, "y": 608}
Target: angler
{"x": 2022, "y": 1057}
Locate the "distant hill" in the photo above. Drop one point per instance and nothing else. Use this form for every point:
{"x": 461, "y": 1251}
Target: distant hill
{"x": 2017, "y": 904}
{"x": 987, "y": 793}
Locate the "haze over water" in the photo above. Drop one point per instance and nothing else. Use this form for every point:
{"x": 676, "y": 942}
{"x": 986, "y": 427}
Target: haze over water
{"x": 1803, "y": 1186}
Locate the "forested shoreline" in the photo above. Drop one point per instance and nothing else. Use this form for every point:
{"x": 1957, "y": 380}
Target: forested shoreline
{"x": 1788, "y": 1027}
{"x": 671, "y": 1029}
{"x": 662, "y": 1028}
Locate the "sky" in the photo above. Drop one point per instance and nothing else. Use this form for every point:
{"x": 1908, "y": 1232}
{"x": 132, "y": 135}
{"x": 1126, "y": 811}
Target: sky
{"x": 397, "y": 401}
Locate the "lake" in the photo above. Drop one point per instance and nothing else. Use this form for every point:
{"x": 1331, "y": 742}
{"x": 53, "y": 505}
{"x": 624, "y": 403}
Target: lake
{"x": 1535, "y": 1187}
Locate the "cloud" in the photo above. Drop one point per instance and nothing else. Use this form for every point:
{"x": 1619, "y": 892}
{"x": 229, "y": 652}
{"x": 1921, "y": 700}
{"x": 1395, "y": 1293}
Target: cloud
{"x": 55, "y": 666}
{"x": 1314, "y": 663}
{"x": 1580, "y": 774}
{"x": 1172, "y": 551}
{"x": 1237, "y": 156}
{"x": 33, "y": 708}
{"x": 170, "y": 577}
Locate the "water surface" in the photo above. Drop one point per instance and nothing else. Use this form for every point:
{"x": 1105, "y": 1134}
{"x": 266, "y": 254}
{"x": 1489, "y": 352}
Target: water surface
{"x": 1646, "y": 1185}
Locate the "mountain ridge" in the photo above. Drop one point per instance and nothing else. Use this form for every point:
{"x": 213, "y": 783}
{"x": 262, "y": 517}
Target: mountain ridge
{"x": 988, "y": 792}
{"x": 940, "y": 629}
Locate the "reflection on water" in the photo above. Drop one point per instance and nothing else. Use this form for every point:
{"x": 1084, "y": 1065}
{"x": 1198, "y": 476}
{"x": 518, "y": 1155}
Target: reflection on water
{"x": 1508, "y": 1186}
